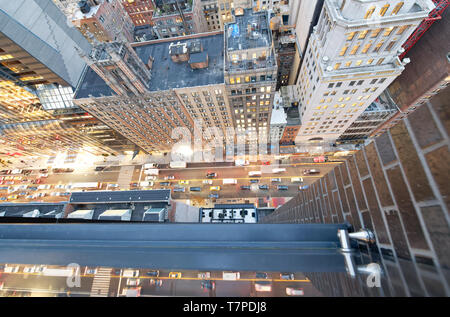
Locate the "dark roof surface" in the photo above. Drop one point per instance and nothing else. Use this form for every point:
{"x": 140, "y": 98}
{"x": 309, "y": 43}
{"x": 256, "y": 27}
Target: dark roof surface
{"x": 166, "y": 74}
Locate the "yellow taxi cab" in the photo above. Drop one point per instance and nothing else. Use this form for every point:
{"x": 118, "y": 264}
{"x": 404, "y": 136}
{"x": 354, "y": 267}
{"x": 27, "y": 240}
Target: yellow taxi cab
{"x": 214, "y": 188}
{"x": 175, "y": 274}
{"x": 12, "y": 197}
{"x": 183, "y": 182}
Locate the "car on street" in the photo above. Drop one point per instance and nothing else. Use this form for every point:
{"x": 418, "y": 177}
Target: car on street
{"x": 11, "y": 269}
{"x": 211, "y": 175}
{"x": 287, "y": 276}
{"x": 204, "y": 275}
{"x": 133, "y": 282}
{"x": 29, "y": 269}
{"x": 213, "y": 196}
{"x": 254, "y": 181}
{"x": 263, "y": 187}
{"x": 311, "y": 172}
{"x": 44, "y": 170}
{"x": 130, "y": 273}
{"x": 23, "y": 193}
{"x": 112, "y": 186}
{"x": 276, "y": 180}
{"x": 13, "y": 197}
{"x": 156, "y": 282}
{"x": 207, "y": 181}
{"x": 195, "y": 189}
{"x": 261, "y": 275}
{"x": 3, "y": 198}
{"x": 91, "y": 270}
{"x": 179, "y": 189}
{"x": 296, "y": 180}
{"x": 265, "y": 163}
{"x": 152, "y": 273}
{"x": 33, "y": 188}
{"x": 164, "y": 183}
{"x": 208, "y": 285}
{"x": 246, "y": 187}
{"x": 169, "y": 177}
{"x": 183, "y": 182}
{"x": 282, "y": 187}
{"x": 150, "y": 178}
{"x": 176, "y": 275}
{"x": 40, "y": 269}
{"x": 216, "y": 188}
{"x": 294, "y": 291}
{"x": 99, "y": 168}
{"x": 303, "y": 187}
{"x": 29, "y": 197}
{"x": 278, "y": 170}
{"x": 43, "y": 175}
{"x": 263, "y": 286}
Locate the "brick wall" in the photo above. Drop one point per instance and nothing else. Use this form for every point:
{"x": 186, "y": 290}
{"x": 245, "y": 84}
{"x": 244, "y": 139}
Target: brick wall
{"x": 397, "y": 186}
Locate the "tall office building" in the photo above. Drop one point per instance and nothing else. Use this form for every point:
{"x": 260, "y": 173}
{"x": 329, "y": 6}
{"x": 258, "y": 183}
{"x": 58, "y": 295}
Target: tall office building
{"x": 106, "y": 21}
{"x": 172, "y": 18}
{"x": 39, "y": 65}
{"x": 250, "y": 72}
{"x": 186, "y": 84}
{"x": 140, "y": 11}
{"x": 352, "y": 57}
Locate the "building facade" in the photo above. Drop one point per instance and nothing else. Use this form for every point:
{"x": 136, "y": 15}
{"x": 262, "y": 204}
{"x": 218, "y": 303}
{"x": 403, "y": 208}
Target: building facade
{"x": 39, "y": 66}
{"x": 380, "y": 111}
{"x": 250, "y": 73}
{"x": 186, "y": 85}
{"x": 140, "y": 11}
{"x": 105, "y": 21}
{"x": 352, "y": 57}
{"x": 396, "y": 186}
{"x": 410, "y": 91}
{"x": 173, "y": 18}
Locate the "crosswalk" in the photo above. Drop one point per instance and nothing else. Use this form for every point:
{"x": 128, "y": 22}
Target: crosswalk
{"x": 125, "y": 176}
{"x": 102, "y": 279}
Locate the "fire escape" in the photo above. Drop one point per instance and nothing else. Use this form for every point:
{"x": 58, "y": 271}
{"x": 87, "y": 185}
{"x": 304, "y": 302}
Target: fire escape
{"x": 434, "y": 15}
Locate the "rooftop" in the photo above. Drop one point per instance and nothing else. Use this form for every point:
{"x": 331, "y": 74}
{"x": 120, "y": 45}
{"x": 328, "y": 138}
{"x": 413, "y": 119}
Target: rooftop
{"x": 166, "y": 74}
{"x": 249, "y": 31}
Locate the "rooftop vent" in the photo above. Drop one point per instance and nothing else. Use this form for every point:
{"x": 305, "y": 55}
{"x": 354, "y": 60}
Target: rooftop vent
{"x": 179, "y": 52}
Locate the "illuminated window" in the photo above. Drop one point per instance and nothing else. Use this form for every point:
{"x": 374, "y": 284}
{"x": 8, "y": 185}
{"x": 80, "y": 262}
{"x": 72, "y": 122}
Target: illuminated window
{"x": 375, "y": 33}
{"x": 388, "y": 31}
{"x": 238, "y": 80}
{"x": 231, "y": 80}
{"x": 247, "y": 79}
{"x": 344, "y": 49}
{"x": 378, "y": 46}
{"x": 337, "y": 65}
{"x": 348, "y": 64}
{"x": 366, "y": 48}
{"x": 384, "y": 9}
{"x": 402, "y": 29}
{"x": 370, "y": 61}
{"x": 351, "y": 35}
{"x": 354, "y": 49}
{"x": 380, "y": 61}
{"x": 363, "y": 34}
{"x": 359, "y": 62}
{"x": 6, "y": 56}
{"x": 397, "y": 8}
{"x": 369, "y": 12}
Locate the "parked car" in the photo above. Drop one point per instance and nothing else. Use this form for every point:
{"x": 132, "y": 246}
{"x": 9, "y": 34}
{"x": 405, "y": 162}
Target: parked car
{"x": 164, "y": 183}
{"x": 217, "y": 188}
{"x": 99, "y": 168}
{"x": 211, "y": 175}
{"x": 183, "y": 182}
{"x": 179, "y": 189}
{"x": 29, "y": 269}
{"x": 208, "y": 285}
{"x": 276, "y": 180}
{"x": 152, "y": 273}
{"x": 169, "y": 177}
{"x": 176, "y": 275}
{"x": 303, "y": 187}
{"x": 195, "y": 189}
{"x": 214, "y": 196}
{"x": 254, "y": 181}
{"x": 246, "y": 188}
{"x": 263, "y": 187}
{"x": 282, "y": 187}
{"x": 207, "y": 181}
{"x": 133, "y": 282}
{"x": 311, "y": 172}
{"x": 156, "y": 282}
{"x": 261, "y": 275}
{"x": 287, "y": 276}
{"x": 294, "y": 291}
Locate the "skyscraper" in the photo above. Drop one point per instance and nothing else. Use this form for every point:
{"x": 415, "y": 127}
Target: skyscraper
{"x": 352, "y": 57}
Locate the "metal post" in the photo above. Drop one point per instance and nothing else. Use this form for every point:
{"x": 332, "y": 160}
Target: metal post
{"x": 344, "y": 239}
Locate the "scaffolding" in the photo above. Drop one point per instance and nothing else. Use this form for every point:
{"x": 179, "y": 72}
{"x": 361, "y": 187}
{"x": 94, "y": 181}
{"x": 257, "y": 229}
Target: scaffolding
{"x": 435, "y": 14}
